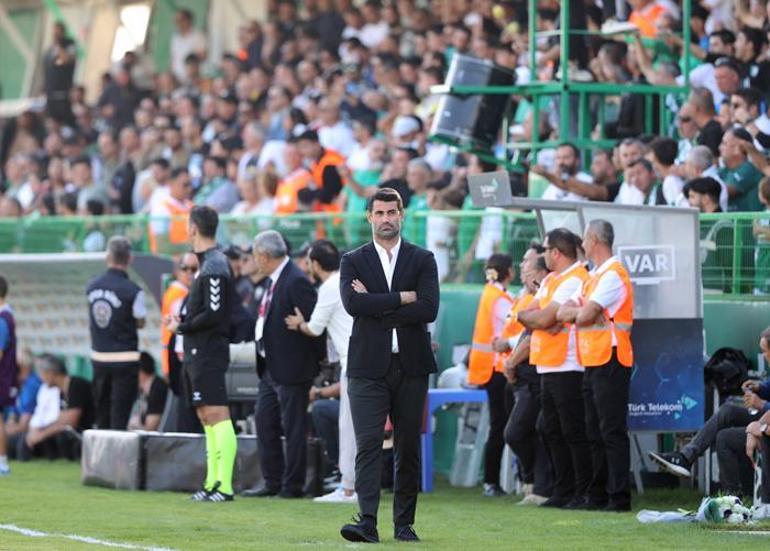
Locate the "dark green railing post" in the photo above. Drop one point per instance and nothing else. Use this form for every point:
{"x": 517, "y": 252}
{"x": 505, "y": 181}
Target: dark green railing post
{"x": 564, "y": 114}
{"x": 737, "y": 254}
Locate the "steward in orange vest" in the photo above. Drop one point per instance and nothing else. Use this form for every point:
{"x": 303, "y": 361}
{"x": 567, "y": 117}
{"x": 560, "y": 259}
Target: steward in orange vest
{"x": 484, "y": 368}
{"x": 603, "y": 313}
{"x": 324, "y": 193}
{"x": 553, "y": 351}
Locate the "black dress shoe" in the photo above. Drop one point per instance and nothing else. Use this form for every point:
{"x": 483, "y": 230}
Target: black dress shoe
{"x": 291, "y": 494}
{"x": 577, "y": 503}
{"x": 361, "y": 530}
{"x": 617, "y": 508}
{"x": 556, "y": 502}
{"x": 259, "y": 492}
{"x": 596, "y": 504}
{"x": 405, "y": 533}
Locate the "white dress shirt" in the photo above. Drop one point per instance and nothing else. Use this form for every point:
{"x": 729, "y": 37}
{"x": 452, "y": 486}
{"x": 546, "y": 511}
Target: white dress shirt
{"x": 259, "y": 329}
{"x": 388, "y": 267}
{"x": 330, "y": 314}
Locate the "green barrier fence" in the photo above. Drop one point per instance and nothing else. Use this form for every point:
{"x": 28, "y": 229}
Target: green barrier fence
{"x": 734, "y": 247}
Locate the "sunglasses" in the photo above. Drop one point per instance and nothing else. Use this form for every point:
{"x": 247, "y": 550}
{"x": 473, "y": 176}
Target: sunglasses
{"x": 685, "y": 119}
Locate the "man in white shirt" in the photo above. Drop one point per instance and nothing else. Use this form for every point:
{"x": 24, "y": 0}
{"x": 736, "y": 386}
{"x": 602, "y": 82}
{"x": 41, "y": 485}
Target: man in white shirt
{"x": 567, "y": 167}
{"x": 330, "y": 315}
{"x": 333, "y": 133}
{"x": 637, "y": 187}
{"x": 553, "y": 351}
{"x": 185, "y": 41}
{"x": 602, "y": 310}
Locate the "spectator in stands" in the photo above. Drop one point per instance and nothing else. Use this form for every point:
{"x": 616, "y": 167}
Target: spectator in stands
{"x": 333, "y": 133}
{"x": 700, "y": 163}
{"x": 485, "y": 367}
{"x": 727, "y": 73}
{"x": 567, "y": 167}
{"x": 703, "y": 113}
{"x": 59, "y": 65}
{"x": 630, "y": 151}
{"x": 253, "y": 139}
{"x": 297, "y": 178}
{"x": 119, "y": 100}
{"x": 121, "y": 189}
{"x": 153, "y": 393}
{"x": 87, "y": 189}
{"x": 703, "y": 194}
{"x": 185, "y": 41}
{"x": 740, "y": 175}
{"x": 745, "y": 110}
{"x": 217, "y": 191}
{"x": 663, "y": 153}
{"x": 750, "y": 44}
{"x": 74, "y": 414}
{"x": 687, "y": 131}
{"x": 638, "y": 183}
{"x": 107, "y": 160}
{"x": 257, "y": 190}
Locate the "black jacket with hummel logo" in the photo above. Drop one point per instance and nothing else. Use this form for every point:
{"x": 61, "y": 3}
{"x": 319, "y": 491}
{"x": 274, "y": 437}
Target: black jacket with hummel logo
{"x": 205, "y": 322}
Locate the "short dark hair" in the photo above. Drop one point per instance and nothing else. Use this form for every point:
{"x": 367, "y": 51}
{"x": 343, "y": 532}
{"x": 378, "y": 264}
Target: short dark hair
{"x": 564, "y": 241}
{"x": 751, "y": 96}
{"x": 500, "y": 263}
{"x": 665, "y": 150}
{"x": 81, "y": 160}
{"x": 309, "y": 135}
{"x": 741, "y": 133}
{"x": 187, "y": 14}
{"x": 755, "y": 37}
{"x": 326, "y": 254}
{"x": 146, "y": 363}
{"x": 537, "y": 247}
{"x": 386, "y": 194}
{"x": 572, "y": 146}
{"x": 728, "y": 37}
{"x": 645, "y": 163}
{"x": 179, "y": 171}
{"x": 3, "y": 286}
{"x": 205, "y": 219}
{"x": 705, "y": 186}
{"x": 49, "y": 362}
{"x": 119, "y": 250}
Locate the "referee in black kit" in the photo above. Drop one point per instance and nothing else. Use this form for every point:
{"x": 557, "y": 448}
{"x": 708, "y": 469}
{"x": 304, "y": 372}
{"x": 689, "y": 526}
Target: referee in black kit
{"x": 204, "y": 325}
{"x": 116, "y": 310}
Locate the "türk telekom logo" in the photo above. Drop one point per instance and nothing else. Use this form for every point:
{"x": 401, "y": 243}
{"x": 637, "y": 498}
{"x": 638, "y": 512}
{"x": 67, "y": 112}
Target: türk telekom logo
{"x": 649, "y": 265}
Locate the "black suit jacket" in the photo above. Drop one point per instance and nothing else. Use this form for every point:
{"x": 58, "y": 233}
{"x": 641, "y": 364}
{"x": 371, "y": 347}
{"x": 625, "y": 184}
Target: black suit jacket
{"x": 379, "y": 310}
{"x": 290, "y": 357}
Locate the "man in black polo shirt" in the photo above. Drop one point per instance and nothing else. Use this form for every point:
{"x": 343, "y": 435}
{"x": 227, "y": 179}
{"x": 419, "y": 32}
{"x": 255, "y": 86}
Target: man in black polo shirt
{"x": 116, "y": 310}
{"x": 205, "y": 326}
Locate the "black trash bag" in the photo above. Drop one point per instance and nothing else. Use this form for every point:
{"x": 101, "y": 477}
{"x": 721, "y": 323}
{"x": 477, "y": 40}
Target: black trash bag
{"x": 726, "y": 370}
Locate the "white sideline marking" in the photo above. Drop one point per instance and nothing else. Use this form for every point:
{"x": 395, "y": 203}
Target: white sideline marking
{"x": 74, "y": 537}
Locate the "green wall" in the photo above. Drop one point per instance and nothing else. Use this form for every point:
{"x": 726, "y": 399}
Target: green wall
{"x": 12, "y": 64}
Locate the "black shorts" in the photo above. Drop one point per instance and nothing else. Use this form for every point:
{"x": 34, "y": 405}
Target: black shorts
{"x": 204, "y": 383}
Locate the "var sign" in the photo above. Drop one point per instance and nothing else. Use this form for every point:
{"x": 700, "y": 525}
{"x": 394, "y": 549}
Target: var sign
{"x": 649, "y": 265}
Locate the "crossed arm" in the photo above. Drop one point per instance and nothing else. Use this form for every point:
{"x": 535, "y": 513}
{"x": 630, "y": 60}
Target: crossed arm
{"x": 582, "y": 316}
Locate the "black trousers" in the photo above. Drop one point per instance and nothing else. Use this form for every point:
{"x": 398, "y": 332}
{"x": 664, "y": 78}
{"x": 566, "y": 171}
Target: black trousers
{"x": 281, "y": 410}
{"x": 605, "y": 393}
{"x": 63, "y": 445}
{"x": 371, "y": 400}
{"x": 526, "y": 441}
{"x": 565, "y": 433}
{"x": 736, "y": 475}
{"x": 500, "y": 402}
{"x": 116, "y": 387}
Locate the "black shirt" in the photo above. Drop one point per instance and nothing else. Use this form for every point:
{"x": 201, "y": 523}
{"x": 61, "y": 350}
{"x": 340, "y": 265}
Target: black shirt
{"x": 155, "y": 400}
{"x": 79, "y": 396}
{"x": 711, "y": 136}
{"x": 400, "y": 185}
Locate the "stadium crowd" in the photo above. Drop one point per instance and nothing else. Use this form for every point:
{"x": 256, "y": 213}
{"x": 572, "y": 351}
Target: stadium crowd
{"x": 322, "y": 107}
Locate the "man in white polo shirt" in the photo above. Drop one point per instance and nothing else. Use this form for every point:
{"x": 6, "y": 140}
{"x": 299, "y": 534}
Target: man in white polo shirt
{"x": 329, "y": 314}
{"x": 553, "y": 350}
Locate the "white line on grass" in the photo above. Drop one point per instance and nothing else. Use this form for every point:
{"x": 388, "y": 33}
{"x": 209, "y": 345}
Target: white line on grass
{"x": 74, "y": 537}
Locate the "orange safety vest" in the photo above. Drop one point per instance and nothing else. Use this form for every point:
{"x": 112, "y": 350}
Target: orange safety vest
{"x": 647, "y": 20}
{"x": 513, "y": 327}
{"x": 546, "y": 349}
{"x": 595, "y": 342}
{"x": 286, "y": 201}
{"x": 482, "y": 360}
{"x": 177, "y": 227}
{"x": 175, "y": 293}
{"x": 329, "y": 158}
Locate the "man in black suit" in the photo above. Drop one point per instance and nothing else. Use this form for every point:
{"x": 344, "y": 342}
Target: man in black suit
{"x": 287, "y": 361}
{"x": 390, "y": 287}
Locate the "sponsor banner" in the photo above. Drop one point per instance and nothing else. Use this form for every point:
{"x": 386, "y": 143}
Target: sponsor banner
{"x": 667, "y": 391}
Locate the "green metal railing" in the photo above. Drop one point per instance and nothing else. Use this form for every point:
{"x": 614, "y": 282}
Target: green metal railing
{"x": 735, "y": 255}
